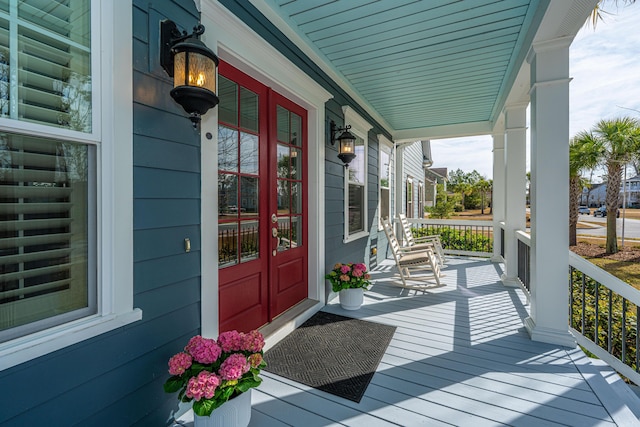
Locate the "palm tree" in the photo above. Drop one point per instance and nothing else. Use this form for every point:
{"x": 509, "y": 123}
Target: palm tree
{"x": 582, "y": 157}
{"x": 614, "y": 142}
{"x": 598, "y": 11}
{"x": 483, "y": 186}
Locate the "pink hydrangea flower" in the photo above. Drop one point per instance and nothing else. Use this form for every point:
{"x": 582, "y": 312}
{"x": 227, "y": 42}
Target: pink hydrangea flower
{"x": 255, "y": 360}
{"x": 344, "y": 278}
{"x": 345, "y": 269}
{"x": 253, "y": 341}
{"x": 234, "y": 367}
{"x": 361, "y": 267}
{"x": 357, "y": 273}
{"x": 203, "y": 350}
{"x": 367, "y": 276}
{"x": 203, "y": 385}
{"x": 179, "y": 363}
{"x": 337, "y": 266}
{"x": 231, "y": 341}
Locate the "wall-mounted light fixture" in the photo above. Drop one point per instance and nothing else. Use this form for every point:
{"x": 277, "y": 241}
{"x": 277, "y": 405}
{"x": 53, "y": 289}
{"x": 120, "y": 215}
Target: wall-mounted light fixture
{"x": 193, "y": 68}
{"x": 347, "y": 142}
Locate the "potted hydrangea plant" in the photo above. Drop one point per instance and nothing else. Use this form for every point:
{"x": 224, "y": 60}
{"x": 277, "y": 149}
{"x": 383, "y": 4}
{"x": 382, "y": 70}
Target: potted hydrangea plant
{"x": 217, "y": 375}
{"x": 350, "y": 281}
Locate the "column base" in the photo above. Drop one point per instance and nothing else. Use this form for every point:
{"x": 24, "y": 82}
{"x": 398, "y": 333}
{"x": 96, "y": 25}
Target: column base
{"x": 549, "y": 336}
{"x": 510, "y": 282}
{"x": 496, "y": 258}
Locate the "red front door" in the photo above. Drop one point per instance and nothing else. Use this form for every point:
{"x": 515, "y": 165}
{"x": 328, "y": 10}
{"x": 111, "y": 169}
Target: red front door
{"x": 262, "y": 236}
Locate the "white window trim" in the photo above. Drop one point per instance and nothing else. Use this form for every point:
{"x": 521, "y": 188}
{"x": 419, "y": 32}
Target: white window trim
{"x": 113, "y": 125}
{"x": 385, "y": 144}
{"x": 360, "y": 127}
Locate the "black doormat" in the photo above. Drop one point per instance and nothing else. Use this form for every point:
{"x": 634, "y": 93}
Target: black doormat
{"x": 332, "y": 353}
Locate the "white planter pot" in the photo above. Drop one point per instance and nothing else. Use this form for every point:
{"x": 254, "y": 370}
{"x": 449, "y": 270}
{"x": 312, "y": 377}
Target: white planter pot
{"x": 351, "y": 299}
{"x": 234, "y": 413}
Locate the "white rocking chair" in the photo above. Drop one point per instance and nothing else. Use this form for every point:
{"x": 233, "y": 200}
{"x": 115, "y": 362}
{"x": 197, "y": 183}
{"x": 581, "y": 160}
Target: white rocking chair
{"x": 421, "y": 243}
{"x": 412, "y": 259}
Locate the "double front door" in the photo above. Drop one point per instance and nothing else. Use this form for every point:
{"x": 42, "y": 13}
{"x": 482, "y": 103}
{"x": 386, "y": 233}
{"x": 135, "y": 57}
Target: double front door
{"x": 262, "y": 202}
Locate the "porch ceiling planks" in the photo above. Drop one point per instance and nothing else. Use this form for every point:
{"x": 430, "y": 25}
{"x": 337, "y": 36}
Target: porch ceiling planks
{"x": 418, "y": 64}
{"x": 459, "y": 356}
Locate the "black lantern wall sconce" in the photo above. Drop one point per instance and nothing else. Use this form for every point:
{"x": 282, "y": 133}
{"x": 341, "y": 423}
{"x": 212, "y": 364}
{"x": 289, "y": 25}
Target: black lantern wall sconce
{"x": 347, "y": 142}
{"x": 193, "y": 68}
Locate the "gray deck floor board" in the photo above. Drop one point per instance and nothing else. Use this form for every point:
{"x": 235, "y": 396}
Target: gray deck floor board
{"x": 460, "y": 356}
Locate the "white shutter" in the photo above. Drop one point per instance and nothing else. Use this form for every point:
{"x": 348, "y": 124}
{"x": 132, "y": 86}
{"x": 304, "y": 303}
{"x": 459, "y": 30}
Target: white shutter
{"x": 44, "y": 231}
{"x": 48, "y": 50}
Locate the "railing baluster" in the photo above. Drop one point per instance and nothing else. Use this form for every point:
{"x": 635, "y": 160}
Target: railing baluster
{"x": 637, "y": 339}
{"x": 597, "y": 312}
{"x": 571, "y": 298}
{"x": 583, "y": 283}
{"x": 623, "y": 356}
{"x": 609, "y": 330}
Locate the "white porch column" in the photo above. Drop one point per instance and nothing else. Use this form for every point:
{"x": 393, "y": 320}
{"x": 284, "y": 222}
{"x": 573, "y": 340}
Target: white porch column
{"x": 515, "y": 183}
{"x": 549, "y": 317}
{"x": 497, "y": 199}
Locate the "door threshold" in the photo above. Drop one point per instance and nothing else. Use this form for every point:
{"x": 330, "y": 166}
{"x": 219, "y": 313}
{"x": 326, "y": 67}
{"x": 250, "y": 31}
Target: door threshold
{"x": 285, "y": 323}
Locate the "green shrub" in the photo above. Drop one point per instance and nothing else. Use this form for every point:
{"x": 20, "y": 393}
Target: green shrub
{"x": 456, "y": 239}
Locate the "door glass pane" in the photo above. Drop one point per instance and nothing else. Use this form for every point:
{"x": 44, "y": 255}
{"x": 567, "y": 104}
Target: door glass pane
{"x": 284, "y": 197}
{"x": 283, "y": 161}
{"x": 227, "y": 196}
{"x": 249, "y": 153}
{"x": 296, "y": 163}
{"x": 248, "y": 110}
{"x": 296, "y": 197}
{"x": 296, "y": 130}
{"x": 296, "y": 231}
{"x": 283, "y": 124}
{"x": 284, "y": 234}
{"x": 248, "y": 196}
{"x": 227, "y": 149}
{"x": 249, "y": 241}
{"x": 227, "y": 244}
{"x": 356, "y": 208}
{"x": 228, "y": 106}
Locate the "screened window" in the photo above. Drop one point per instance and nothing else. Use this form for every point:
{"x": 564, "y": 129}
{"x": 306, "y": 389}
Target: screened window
{"x": 385, "y": 182}
{"x": 357, "y": 189}
{"x": 420, "y": 199}
{"x": 47, "y": 186}
{"x": 409, "y": 197}
{"x": 46, "y": 233}
{"x": 56, "y": 173}
{"x": 45, "y": 63}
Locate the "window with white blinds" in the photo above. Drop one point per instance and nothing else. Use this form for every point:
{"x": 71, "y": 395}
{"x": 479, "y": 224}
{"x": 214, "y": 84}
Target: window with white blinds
{"x": 47, "y": 185}
{"x": 45, "y": 233}
{"x": 45, "y": 62}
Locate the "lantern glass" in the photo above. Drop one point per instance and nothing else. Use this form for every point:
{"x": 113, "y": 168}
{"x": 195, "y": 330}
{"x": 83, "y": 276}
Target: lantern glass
{"x": 201, "y": 73}
{"x": 346, "y": 146}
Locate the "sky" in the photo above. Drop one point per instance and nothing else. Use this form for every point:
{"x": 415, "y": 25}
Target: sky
{"x": 605, "y": 68}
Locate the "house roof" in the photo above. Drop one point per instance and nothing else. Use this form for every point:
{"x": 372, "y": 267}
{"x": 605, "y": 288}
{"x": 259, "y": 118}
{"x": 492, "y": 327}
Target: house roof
{"x": 426, "y": 69}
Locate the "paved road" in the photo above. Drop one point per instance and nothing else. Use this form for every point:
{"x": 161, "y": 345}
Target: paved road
{"x": 631, "y": 226}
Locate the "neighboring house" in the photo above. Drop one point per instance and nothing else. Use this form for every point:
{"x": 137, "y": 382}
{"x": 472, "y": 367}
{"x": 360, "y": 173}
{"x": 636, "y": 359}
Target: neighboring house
{"x": 598, "y": 193}
{"x": 433, "y": 177}
{"x": 125, "y": 231}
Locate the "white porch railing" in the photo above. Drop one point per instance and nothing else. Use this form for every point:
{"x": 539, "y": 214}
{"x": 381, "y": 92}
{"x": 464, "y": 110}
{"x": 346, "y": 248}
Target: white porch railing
{"x": 603, "y": 310}
{"x": 459, "y": 237}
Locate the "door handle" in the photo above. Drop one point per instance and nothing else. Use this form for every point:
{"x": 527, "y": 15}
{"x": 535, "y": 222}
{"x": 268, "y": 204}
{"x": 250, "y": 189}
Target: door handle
{"x": 274, "y": 232}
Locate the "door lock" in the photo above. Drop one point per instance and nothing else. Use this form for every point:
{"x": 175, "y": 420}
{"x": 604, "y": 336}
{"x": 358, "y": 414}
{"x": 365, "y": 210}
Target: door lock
{"x": 274, "y": 218}
{"x": 274, "y": 232}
